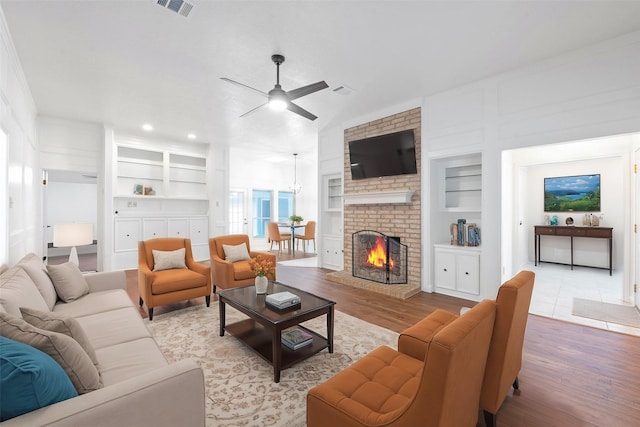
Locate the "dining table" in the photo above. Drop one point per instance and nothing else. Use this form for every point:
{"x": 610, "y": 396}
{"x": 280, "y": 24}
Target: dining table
{"x": 293, "y": 227}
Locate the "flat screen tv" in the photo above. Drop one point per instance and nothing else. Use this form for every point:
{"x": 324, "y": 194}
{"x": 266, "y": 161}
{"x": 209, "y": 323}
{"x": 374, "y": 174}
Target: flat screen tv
{"x": 579, "y": 193}
{"x": 384, "y": 155}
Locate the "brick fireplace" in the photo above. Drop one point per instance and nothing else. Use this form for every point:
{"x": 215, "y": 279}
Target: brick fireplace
{"x": 390, "y": 217}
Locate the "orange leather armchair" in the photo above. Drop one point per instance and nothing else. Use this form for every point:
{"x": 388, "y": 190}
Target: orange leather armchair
{"x": 168, "y": 286}
{"x": 505, "y": 352}
{"x": 226, "y": 274}
{"x": 392, "y": 388}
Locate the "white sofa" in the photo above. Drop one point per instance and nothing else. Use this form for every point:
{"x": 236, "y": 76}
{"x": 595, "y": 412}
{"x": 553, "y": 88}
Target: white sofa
{"x": 140, "y": 387}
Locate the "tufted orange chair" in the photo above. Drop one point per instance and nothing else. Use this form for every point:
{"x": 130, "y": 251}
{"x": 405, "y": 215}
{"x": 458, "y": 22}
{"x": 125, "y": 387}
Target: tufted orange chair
{"x": 169, "y": 286}
{"x": 505, "y": 352}
{"x": 392, "y": 388}
{"x": 226, "y": 274}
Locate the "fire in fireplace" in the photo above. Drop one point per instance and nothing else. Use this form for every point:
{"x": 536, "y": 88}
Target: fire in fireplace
{"x": 379, "y": 258}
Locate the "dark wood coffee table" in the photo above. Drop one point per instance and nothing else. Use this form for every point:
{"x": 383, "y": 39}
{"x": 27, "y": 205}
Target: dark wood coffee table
{"x": 263, "y": 329}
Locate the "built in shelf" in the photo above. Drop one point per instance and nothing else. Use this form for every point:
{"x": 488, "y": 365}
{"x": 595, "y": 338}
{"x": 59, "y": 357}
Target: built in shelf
{"x": 381, "y": 197}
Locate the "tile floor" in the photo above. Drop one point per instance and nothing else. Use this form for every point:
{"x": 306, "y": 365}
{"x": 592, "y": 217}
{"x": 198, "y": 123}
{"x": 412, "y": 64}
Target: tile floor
{"x": 557, "y": 285}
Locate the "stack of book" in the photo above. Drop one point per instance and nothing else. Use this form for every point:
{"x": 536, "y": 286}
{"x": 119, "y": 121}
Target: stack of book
{"x": 463, "y": 234}
{"x": 296, "y": 338}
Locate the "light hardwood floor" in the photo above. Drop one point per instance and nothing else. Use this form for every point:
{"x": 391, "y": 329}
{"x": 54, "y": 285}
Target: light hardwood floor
{"x": 572, "y": 375}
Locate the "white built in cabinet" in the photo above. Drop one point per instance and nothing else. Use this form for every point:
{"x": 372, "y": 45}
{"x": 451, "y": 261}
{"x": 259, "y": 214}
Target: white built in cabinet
{"x": 174, "y": 201}
{"x": 331, "y": 252}
{"x": 461, "y": 183}
{"x": 457, "y": 271}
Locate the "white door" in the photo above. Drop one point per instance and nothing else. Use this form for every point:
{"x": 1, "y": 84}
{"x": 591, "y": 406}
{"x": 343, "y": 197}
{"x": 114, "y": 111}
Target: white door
{"x": 238, "y": 223}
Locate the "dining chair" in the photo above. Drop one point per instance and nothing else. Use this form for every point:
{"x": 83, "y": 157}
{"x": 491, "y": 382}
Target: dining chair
{"x": 309, "y": 234}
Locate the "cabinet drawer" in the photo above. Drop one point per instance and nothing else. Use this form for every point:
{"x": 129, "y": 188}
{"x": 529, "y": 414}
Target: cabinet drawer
{"x": 577, "y": 232}
{"x": 599, "y": 232}
{"x": 546, "y": 230}
{"x": 127, "y": 234}
{"x": 154, "y": 228}
{"x": 178, "y": 227}
{"x": 199, "y": 231}
{"x": 468, "y": 274}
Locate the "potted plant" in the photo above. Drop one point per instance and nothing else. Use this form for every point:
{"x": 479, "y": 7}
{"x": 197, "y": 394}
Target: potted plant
{"x": 296, "y": 219}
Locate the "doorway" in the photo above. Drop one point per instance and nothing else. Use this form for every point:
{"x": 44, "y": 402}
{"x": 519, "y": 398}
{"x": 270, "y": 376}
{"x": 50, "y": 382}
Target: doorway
{"x": 70, "y": 197}
{"x": 237, "y": 212}
{"x": 636, "y": 225}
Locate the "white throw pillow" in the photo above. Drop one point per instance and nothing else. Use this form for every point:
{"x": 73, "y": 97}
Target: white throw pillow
{"x": 68, "y": 281}
{"x": 236, "y": 253}
{"x": 167, "y": 260}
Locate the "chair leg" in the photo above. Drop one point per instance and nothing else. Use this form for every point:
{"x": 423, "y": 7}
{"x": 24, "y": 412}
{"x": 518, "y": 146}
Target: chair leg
{"x": 489, "y": 419}
{"x": 151, "y": 314}
{"x": 208, "y": 300}
{"x": 141, "y": 302}
{"x": 214, "y": 289}
{"x": 516, "y": 384}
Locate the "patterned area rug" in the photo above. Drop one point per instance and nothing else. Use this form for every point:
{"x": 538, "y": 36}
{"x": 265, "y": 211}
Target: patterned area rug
{"x": 239, "y": 384}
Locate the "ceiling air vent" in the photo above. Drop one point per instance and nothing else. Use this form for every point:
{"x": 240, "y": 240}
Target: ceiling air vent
{"x": 343, "y": 90}
{"x": 178, "y": 6}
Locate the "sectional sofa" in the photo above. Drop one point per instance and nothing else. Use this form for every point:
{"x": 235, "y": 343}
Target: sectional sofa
{"x": 137, "y": 386}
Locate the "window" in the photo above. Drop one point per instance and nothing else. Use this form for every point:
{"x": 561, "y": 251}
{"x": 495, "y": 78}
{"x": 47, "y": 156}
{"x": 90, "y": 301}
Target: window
{"x": 237, "y": 217}
{"x": 261, "y": 201}
{"x": 285, "y": 205}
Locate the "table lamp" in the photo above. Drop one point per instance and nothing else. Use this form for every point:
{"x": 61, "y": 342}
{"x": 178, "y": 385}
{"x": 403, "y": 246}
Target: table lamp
{"x": 65, "y": 235}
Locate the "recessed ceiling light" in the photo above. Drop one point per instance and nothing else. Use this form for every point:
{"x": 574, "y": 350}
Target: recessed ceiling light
{"x": 147, "y": 127}
{"x": 191, "y": 136}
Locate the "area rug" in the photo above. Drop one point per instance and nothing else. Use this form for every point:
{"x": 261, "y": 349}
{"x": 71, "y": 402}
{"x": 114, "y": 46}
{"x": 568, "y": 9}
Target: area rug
{"x": 613, "y": 313}
{"x": 239, "y": 384}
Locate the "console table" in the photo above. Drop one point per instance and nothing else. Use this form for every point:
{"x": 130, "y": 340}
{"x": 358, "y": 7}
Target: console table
{"x": 571, "y": 232}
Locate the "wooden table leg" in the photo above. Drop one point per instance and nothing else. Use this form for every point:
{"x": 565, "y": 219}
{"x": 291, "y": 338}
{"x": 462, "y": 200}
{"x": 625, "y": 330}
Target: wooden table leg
{"x": 330, "y": 329}
{"x": 221, "y": 306}
{"x": 276, "y": 354}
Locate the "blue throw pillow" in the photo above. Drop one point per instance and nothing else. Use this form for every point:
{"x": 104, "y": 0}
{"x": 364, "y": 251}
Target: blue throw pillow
{"x": 29, "y": 379}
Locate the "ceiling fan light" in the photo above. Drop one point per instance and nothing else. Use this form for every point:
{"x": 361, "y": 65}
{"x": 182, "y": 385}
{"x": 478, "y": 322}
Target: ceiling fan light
{"x": 277, "y": 104}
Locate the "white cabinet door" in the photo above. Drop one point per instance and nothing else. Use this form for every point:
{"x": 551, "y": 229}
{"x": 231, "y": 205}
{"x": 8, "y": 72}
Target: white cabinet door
{"x": 178, "y": 227}
{"x": 468, "y": 273}
{"x": 457, "y": 271}
{"x": 445, "y": 269}
{"x": 127, "y": 234}
{"x": 153, "y": 228}
{"x": 199, "y": 230}
{"x": 332, "y": 253}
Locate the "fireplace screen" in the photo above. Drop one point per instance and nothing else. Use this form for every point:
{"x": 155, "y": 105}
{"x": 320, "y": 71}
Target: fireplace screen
{"x": 379, "y": 257}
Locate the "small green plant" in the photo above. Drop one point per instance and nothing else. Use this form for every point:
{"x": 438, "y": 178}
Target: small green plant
{"x": 296, "y": 218}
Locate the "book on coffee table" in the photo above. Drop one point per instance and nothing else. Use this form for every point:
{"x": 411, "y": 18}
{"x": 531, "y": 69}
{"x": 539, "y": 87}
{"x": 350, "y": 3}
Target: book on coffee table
{"x": 296, "y": 338}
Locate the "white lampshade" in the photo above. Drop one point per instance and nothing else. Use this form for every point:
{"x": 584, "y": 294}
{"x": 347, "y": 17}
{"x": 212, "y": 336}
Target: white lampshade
{"x": 65, "y": 235}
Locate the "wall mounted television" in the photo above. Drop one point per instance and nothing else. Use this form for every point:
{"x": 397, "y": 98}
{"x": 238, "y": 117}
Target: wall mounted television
{"x": 579, "y": 193}
{"x": 384, "y": 155}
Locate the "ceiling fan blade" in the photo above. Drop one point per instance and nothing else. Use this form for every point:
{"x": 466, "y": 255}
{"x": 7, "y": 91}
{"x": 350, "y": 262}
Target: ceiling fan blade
{"x": 306, "y": 90}
{"x": 243, "y": 85}
{"x": 254, "y": 110}
{"x": 301, "y": 111}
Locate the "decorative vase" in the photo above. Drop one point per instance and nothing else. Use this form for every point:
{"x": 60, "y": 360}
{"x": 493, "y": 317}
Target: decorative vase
{"x": 261, "y": 284}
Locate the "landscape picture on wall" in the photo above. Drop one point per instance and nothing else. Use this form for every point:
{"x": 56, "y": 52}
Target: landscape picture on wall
{"x": 580, "y": 193}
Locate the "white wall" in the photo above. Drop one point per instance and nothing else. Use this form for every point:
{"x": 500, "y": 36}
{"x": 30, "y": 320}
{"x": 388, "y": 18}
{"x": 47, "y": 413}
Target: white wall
{"x": 587, "y": 93}
{"x": 22, "y": 212}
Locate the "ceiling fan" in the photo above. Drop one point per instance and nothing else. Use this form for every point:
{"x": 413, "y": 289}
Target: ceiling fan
{"x": 279, "y": 99}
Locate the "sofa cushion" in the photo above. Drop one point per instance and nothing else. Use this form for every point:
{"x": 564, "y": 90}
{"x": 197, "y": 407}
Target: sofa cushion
{"x": 242, "y": 270}
{"x": 114, "y": 327}
{"x": 129, "y": 359}
{"x": 176, "y": 280}
{"x": 37, "y": 271}
{"x": 55, "y": 322}
{"x": 167, "y": 260}
{"x": 33, "y": 378}
{"x": 63, "y": 349}
{"x": 236, "y": 253}
{"x": 18, "y": 290}
{"x": 95, "y": 302}
{"x": 68, "y": 281}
